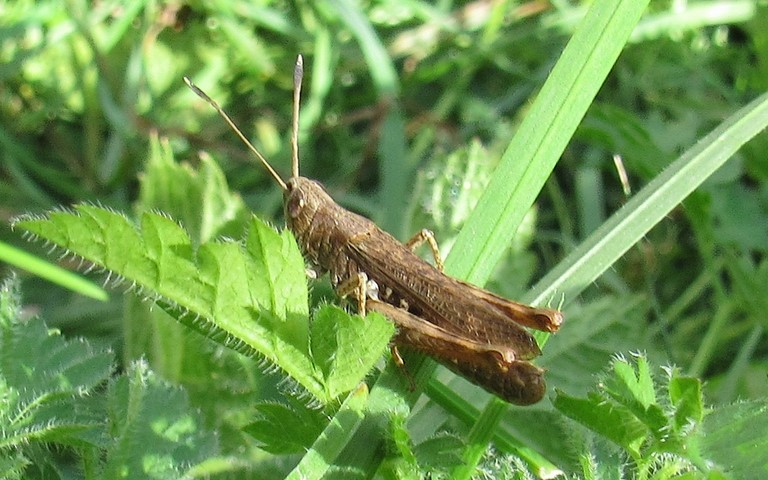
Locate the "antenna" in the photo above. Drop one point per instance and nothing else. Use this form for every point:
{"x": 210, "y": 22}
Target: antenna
{"x": 226, "y": 117}
{"x": 298, "y": 74}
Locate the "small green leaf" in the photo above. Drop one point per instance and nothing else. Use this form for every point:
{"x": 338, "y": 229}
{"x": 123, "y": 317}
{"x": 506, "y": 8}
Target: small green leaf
{"x": 283, "y": 429}
{"x": 12, "y": 465}
{"x": 199, "y": 197}
{"x": 614, "y": 422}
{"x": 633, "y": 388}
{"x": 638, "y": 387}
{"x": 154, "y": 431}
{"x": 736, "y": 437}
{"x": 685, "y": 395}
{"x": 402, "y": 461}
{"x": 44, "y": 380}
{"x": 345, "y": 347}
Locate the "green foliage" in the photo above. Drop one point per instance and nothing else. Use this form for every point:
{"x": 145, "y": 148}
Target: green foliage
{"x": 734, "y": 437}
{"x": 407, "y": 110}
{"x": 45, "y": 380}
{"x": 59, "y": 400}
{"x": 284, "y": 428}
{"x": 198, "y": 197}
{"x": 437, "y": 454}
{"x": 666, "y": 429}
{"x": 344, "y": 347}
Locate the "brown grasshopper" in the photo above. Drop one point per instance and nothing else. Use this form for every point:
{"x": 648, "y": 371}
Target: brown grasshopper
{"x": 470, "y": 330}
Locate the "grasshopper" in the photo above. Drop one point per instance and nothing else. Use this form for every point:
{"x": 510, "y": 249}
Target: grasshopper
{"x": 470, "y": 330}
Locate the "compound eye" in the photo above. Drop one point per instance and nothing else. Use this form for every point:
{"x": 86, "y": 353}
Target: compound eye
{"x": 295, "y": 204}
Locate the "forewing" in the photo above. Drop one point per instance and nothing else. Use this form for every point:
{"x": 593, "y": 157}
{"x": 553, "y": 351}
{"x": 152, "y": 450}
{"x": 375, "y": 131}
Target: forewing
{"x": 437, "y": 298}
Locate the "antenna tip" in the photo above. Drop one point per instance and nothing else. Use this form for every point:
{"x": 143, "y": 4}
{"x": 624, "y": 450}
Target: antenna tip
{"x": 298, "y": 71}
{"x": 197, "y": 90}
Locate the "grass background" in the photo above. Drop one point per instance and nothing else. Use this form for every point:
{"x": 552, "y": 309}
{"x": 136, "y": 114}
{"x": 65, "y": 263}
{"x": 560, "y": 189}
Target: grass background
{"x": 408, "y": 108}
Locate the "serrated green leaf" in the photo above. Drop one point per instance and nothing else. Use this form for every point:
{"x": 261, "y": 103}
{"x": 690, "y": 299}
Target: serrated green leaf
{"x": 633, "y": 388}
{"x": 345, "y": 347}
{"x": 614, "y": 422}
{"x": 51, "y": 396}
{"x": 639, "y": 385}
{"x": 686, "y": 397}
{"x": 676, "y": 442}
{"x": 283, "y": 429}
{"x": 601, "y": 460}
{"x": 44, "y": 380}
{"x": 257, "y": 294}
{"x": 199, "y": 197}
{"x": 37, "y": 360}
{"x": 155, "y": 433}
{"x": 402, "y": 461}
{"x": 736, "y": 437}
{"x": 12, "y": 465}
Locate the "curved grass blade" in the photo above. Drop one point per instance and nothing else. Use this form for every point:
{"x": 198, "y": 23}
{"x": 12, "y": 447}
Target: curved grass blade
{"x": 651, "y": 204}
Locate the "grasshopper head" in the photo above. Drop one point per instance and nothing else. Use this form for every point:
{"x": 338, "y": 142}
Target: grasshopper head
{"x": 303, "y": 198}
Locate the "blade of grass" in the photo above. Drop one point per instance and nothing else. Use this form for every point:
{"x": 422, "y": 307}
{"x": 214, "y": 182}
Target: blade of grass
{"x": 51, "y": 272}
{"x": 503, "y": 440}
{"x": 648, "y": 207}
{"x": 542, "y": 137}
{"x": 694, "y": 16}
{"x": 728, "y": 391}
{"x": 651, "y": 204}
{"x": 528, "y": 161}
{"x": 316, "y": 462}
